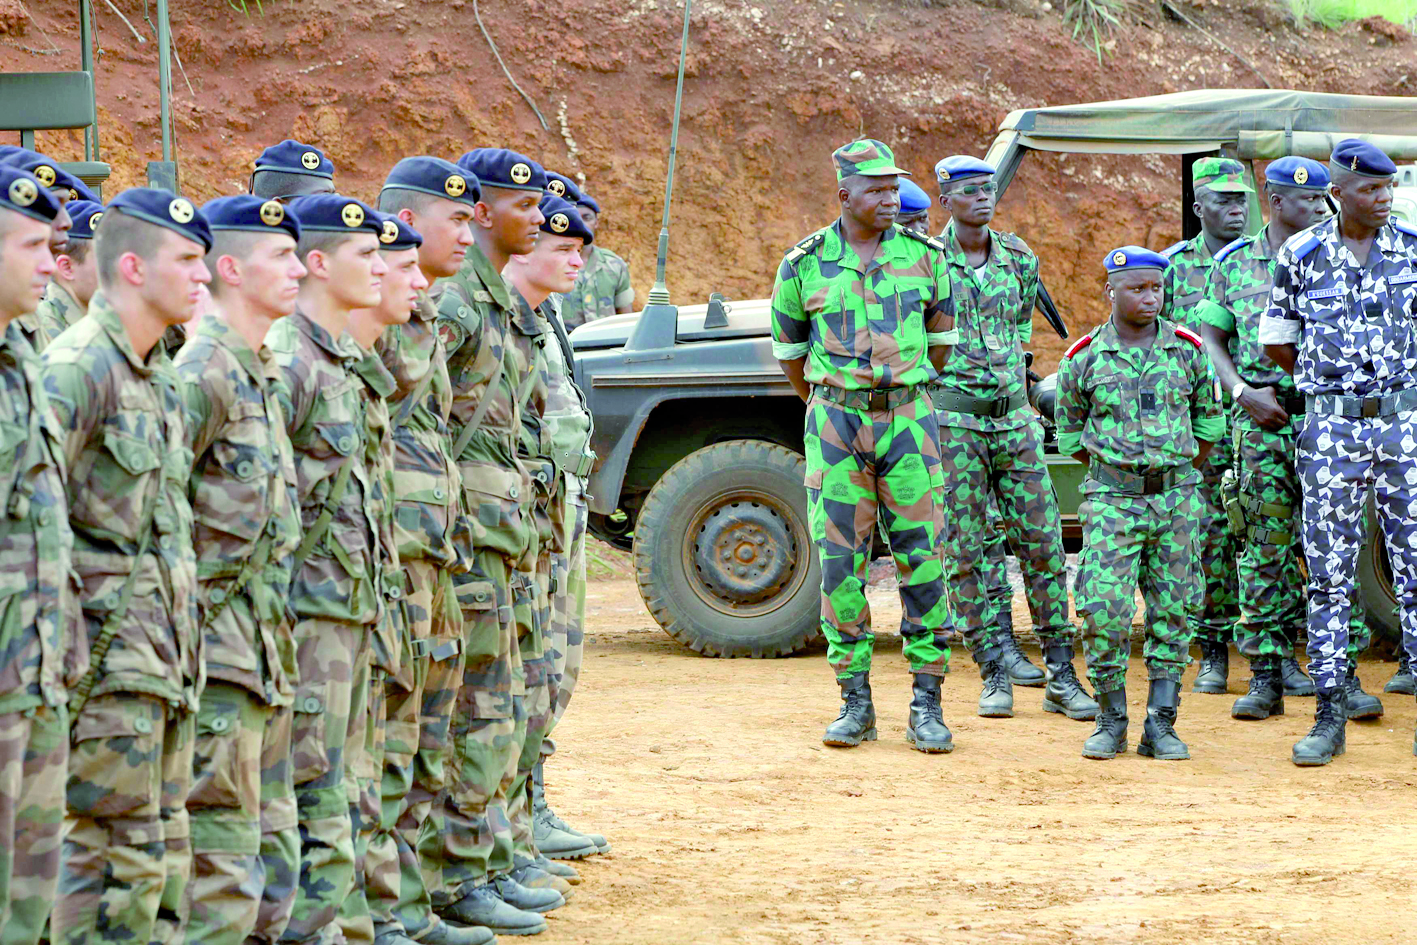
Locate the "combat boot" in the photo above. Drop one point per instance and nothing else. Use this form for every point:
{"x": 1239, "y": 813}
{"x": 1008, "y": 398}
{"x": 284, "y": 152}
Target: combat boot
{"x": 548, "y": 819}
{"x": 1328, "y": 738}
{"x": 996, "y": 699}
{"x": 1266, "y": 695}
{"x": 524, "y": 898}
{"x": 856, "y": 723}
{"x": 1021, "y": 671}
{"x": 926, "y": 729}
{"x": 393, "y": 937}
{"x": 535, "y": 878}
{"x": 1402, "y": 681}
{"x": 1296, "y": 683}
{"x": 564, "y": 870}
{"x": 446, "y": 933}
{"x": 1214, "y": 673}
{"x": 483, "y": 907}
{"x": 1361, "y": 705}
{"x": 1065, "y": 694}
{"x": 1109, "y": 738}
{"x": 1158, "y": 732}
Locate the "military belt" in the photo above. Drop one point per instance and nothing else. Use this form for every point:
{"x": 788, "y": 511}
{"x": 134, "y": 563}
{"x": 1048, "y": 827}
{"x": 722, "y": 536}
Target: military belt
{"x": 1294, "y": 403}
{"x": 887, "y": 398}
{"x": 574, "y": 462}
{"x": 978, "y": 406}
{"x": 1362, "y": 408}
{"x": 1130, "y": 483}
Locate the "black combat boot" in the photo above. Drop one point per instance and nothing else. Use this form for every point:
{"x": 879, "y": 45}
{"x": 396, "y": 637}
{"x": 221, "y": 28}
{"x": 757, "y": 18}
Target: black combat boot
{"x": 1266, "y": 695}
{"x": 996, "y": 698}
{"x": 857, "y": 720}
{"x": 1402, "y": 681}
{"x": 1158, "y": 733}
{"x": 926, "y": 729}
{"x": 1065, "y": 694}
{"x": 1214, "y": 673}
{"x": 1296, "y": 682}
{"x": 1361, "y": 705}
{"x": 1021, "y": 671}
{"x": 1328, "y": 737}
{"x": 1109, "y": 738}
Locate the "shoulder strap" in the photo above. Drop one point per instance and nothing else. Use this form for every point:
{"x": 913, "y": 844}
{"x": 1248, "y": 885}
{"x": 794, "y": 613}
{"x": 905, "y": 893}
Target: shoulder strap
{"x": 929, "y": 241}
{"x": 412, "y": 399}
{"x": 475, "y": 420}
{"x": 321, "y": 524}
{"x": 805, "y": 247}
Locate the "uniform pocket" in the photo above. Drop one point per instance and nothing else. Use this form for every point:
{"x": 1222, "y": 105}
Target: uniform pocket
{"x": 225, "y": 769}
{"x": 309, "y": 755}
{"x": 115, "y": 765}
{"x": 482, "y": 619}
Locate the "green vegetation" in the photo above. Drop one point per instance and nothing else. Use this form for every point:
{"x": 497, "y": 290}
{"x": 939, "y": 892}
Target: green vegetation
{"x": 1332, "y": 14}
{"x": 240, "y": 6}
{"x": 1091, "y": 20}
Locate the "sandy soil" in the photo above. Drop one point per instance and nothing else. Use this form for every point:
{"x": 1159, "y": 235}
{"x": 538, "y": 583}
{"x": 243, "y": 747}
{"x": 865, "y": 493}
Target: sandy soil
{"x": 731, "y": 823}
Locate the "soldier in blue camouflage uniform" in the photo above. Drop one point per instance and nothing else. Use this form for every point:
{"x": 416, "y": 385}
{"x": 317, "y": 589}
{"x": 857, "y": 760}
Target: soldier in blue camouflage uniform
{"x": 862, "y": 319}
{"x": 127, "y": 854}
{"x": 1341, "y": 320}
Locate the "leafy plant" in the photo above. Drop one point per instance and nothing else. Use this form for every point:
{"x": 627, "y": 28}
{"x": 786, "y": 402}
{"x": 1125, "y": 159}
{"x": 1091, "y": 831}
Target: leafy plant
{"x": 1094, "y": 19}
{"x": 1332, "y": 14}
{"x": 240, "y": 6}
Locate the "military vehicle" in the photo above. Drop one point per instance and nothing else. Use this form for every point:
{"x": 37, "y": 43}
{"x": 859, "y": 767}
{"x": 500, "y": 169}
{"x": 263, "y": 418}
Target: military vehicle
{"x": 700, "y": 436}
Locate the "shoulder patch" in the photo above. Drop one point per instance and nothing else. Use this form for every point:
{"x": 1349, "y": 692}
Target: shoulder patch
{"x": 1078, "y": 345}
{"x": 1015, "y": 242}
{"x": 1190, "y": 336}
{"x": 1302, "y": 243}
{"x": 930, "y": 241}
{"x": 1230, "y": 247}
{"x": 806, "y": 246}
{"x": 1407, "y": 228}
{"x": 1174, "y": 248}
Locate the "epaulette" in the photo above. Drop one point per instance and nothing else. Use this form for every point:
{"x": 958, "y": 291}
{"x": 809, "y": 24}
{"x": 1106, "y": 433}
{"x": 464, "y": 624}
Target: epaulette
{"x": 1230, "y": 247}
{"x": 1015, "y": 242}
{"x": 930, "y": 241}
{"x": 1175, "y": 248}
{"x": 1190, "y": 336}
{"x": 1078, "y": 345}
{"x": 1302, "y": 243}
{"x": 806, "y": 246}
{"x": 1407, "y": 228}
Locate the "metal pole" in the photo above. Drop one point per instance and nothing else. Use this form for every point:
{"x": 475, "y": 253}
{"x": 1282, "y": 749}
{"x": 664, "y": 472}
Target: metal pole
{"x": 660, "y": 292}
{"x": 86, "y": 63}
{"x": 164, "y": 77}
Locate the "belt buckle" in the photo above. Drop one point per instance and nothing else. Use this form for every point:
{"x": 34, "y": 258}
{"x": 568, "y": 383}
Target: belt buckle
{"x": 879, "y": 400}
{"x": 1153, "y": 483}
{"x": 1372, "y": 407}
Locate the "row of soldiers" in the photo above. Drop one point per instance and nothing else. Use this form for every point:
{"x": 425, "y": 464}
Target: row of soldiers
{"x": 294, "y": 553}
{"x": 908, "y": 350}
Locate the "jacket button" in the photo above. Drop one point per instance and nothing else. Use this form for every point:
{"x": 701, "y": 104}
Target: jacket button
{"x": 312, "y": 704}
{"x": 514, "y": 492}
{"x": 165, "y": 542}
{"x": 217, "y": 595}
{"x": 143, "y": 726}
{"x": 438, "y": 494}
{"x": 480, "y": 596}
{"x": 220, "y": 724}
{"x": 243, "y": 469}
{"x": 345, "y": 444}
{"x": 395, "y": 593}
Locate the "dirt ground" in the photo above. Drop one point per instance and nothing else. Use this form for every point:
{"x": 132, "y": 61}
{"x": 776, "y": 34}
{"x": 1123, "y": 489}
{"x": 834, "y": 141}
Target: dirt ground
{"x": 730, "y": 822}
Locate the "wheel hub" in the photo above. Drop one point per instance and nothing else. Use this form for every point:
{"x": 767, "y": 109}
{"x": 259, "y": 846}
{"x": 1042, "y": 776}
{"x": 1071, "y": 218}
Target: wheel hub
{"x": 744, "y": 551}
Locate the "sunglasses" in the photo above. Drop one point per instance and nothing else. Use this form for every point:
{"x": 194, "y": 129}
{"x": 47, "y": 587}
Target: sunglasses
{"x": 969, "y": 190}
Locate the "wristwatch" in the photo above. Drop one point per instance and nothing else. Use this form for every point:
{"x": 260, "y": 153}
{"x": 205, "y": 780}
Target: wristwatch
{"x": 1237, "y": 389}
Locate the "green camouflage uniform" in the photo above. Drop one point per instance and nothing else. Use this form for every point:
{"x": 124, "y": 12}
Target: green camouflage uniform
{"x": 58, "y": 312}
{"x": 245, "y": 842}
{"x": 992, "y": 449}
{"x": 1271, "y": 579}
{"x": 37, "y": 635}
{"x": 127, "y": 855}
{"x": 602, "y": 287}
{"x": 871, "y": 435}
{"x": 1139, "y": 413}
{"x": 336, "y": 599}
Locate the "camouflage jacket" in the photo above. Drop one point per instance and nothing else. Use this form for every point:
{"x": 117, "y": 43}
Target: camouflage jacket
{"x": 323, "y": 402}
{"x": 379, "y": 458}
{"x": 243, "y": 498}
{"x": 426, "y": 480}
{"x": 1185, "y": 281}
{"x": 863, "y": 326}
{"x": 531, "y": 337}
{"x": 602, "y": 287}
{"x": 995, "y": 310}
{"x": 475, "y": 312}
{"x": 127, "y": 449}
{"x": 58, "y": 312}
{"x": 1353, "y": 322}
{"x": 31, "y": 328}
{"x": 1139, "y": 409}
{"x": 567, "y": 412}
{"x": 37, "y": 632}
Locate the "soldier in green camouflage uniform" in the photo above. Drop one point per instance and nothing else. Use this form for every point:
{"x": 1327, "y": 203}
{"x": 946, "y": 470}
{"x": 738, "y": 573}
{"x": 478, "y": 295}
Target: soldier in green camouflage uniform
{"x": 1139, "y": 404}
{"x": 65, "y": 189}
{"x": 36, "y": 548}
{"x": 336, "y": 592}
{"x": 127, "y": 856}
{"x": 603, "y": 287}
{"x": 245, "y": 842}
{"x": 862, "y": 319}
{"x": 76, "y": 276}
{"x": 1222, "y": 204}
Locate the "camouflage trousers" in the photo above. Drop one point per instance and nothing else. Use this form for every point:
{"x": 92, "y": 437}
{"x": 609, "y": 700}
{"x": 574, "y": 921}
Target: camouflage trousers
{"x": 1216, "y": 603}
{"x": 1271, "y": 576}
{"x": 456, "y": 841}
{"x": 34, "y": 762}
{"x": 565, "y": 641}
{"x": 364, "y": 751}
{"x": 533, "y": 617}
{"x": 1004, "y": 468}
{"x": 1133, "y": 543}
{"x": 995, "y": 574}
{"x": 245, "y": 840}
{"x": 127, "y": 851}
{"x": 859, "y": 460}
{"x": 1340, "y": 462}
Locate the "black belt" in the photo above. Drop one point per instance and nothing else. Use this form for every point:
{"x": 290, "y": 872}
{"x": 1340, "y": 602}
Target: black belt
{"x": 885, "y": 398}
{"x": 978, "y": 406}
{"x": 1362, "y": 408}
{"x": 1130, "y": 483}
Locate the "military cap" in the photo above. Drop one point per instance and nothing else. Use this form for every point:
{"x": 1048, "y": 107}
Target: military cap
{"x": 336, "y": 213}
{"x": 252, "y": 215}
{"x": 1297, "y": 172}
{"x": 85, "y": 214}
{"x": 912, "y": 198}
{"x": 1359, "y": 157}
{"x": 960, "y": 166}
{"x": 1133, "y": 257}
{"x": 394, "y": 234}
{"x": 431, "y": 175}
{"x": 498, "y": 167}
{"x": 1222, "y": 175}
{"x": 561, "y": 219}
{"x": 562, "y": 186}
{"x": 865, "y": 158}
{"x": 48, "y": 172}
{"x": 292, "y": 157}
{"x": 165, "y": 209}
{"x": 23, "y": 193}
{"x": 587, "y": 201}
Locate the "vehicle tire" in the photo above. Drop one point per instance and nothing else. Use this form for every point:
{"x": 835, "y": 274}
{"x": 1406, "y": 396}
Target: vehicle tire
{"x": 1375, "y": 582}
{"x": 723, "y": 556}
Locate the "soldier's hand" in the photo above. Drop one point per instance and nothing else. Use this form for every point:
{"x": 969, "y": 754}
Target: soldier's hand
{"x": 1262, "y": 404}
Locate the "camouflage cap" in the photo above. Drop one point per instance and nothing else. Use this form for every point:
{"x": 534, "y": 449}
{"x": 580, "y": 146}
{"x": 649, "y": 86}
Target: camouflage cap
{"x": 1222, "y": 175}
{"x": 866, "y": 158}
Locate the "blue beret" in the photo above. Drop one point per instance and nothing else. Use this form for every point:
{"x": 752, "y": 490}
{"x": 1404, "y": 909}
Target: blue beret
{"x": 562, "y": 186}
{"x": 959, "y": 166}
{"x": 23, "y": 193}
{"x": 589, "y": 203}
{"x": 251, "y": 214}
{"x": 85, "y": 214}
{"x": 336, "y": 213}
{"x": 498, "y": 167}
{"x": 561, "y": 219}
{"x": 430, "y": 175}
{"x": 49, "y": 173}
{"x": 395, "y": 234}
{"x": 1297, "y": 172}
{"x": 1360, "y": 157}
{"x": 292, "y": 157}
{"x": 166, "y": 209}
{"x": 1134, "y": 257}
{"x": 912, "y": 198}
